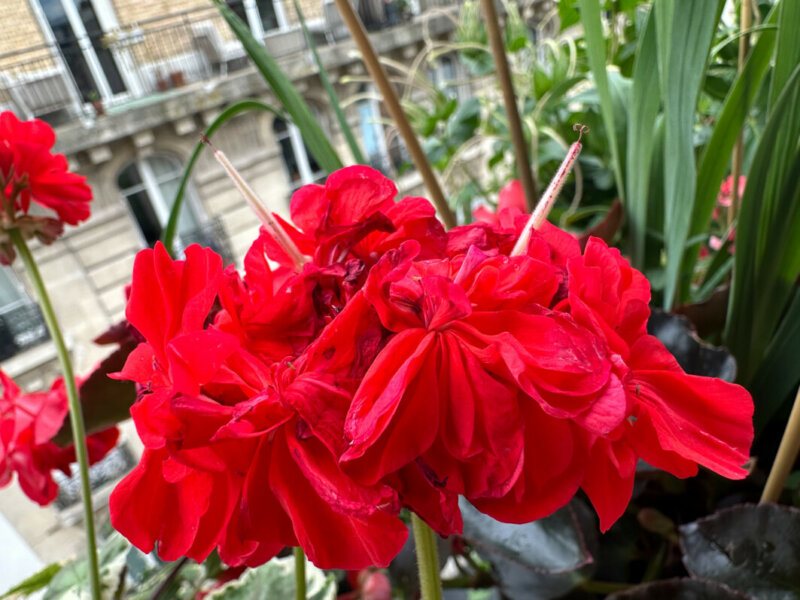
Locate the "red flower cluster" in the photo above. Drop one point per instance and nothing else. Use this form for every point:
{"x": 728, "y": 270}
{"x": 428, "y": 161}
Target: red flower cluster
{"x": 28, "y": 423}
{"x": 29, "y": 171}
{"x": 398, "y": 366}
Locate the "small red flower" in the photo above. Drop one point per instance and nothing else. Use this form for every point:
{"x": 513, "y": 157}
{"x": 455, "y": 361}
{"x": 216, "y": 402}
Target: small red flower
{"x": 28, "y": 423}
{"x": 29, "y": 171}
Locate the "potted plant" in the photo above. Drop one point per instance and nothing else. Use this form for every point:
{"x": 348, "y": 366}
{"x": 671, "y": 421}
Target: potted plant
{"x": 97, "y": 103}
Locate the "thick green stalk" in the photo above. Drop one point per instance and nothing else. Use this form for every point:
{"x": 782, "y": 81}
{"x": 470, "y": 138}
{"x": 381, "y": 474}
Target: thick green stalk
{"x": 427, "y": 559}
{"x": 75, "y": 414}
{"x": 299, "y": 573}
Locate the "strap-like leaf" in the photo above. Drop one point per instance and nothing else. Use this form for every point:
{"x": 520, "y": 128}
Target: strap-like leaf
{"x": 684, "y": 35}
{"x": 287, "y": 95}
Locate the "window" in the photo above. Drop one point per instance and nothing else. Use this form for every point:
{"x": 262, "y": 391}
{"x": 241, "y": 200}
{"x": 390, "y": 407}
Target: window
{"x": 149, "y": 187}
{"x": 77, "y": 31}
{"x": 21, "y": 322}
{"x": 261, "y": 15}
{"x": 301, "y": 168}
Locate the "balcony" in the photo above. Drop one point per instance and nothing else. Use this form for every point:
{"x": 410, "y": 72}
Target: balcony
{"x": 85, "y": 79}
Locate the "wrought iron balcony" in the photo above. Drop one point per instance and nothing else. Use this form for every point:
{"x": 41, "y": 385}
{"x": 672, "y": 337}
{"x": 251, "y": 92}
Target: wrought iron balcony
{"x": 79, "y": 77}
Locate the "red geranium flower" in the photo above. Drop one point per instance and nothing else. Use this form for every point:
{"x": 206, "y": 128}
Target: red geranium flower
{"x": 28, "y": 423}
{"x": 29, "y": 171}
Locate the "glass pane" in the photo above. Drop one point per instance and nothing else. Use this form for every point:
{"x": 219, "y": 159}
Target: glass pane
{"x": 95, "y": 33}
{"x": 68, "y": 43}
{"x": 187, "y": 221}
{"x": 313, "y": 165}
{"x": 165, "y": 167}
{"x": 266, "y": 11}
{"x": 279, "y": 127}
{"x": 140, "y": 204}
{"x": 290, "y": 160}
{"x": 128, "y": 178}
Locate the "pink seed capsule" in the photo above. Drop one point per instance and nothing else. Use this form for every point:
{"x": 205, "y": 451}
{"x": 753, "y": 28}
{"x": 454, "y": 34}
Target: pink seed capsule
{"x": 547, "y": 200}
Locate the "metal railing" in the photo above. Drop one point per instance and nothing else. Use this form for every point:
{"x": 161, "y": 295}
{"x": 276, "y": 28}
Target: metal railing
{"x": 78, "y": 76}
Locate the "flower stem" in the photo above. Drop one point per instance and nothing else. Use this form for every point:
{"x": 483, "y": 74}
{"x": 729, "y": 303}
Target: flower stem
{"x": 75, "y": 414}
{"x": 299, "y": 573}
{"x": 395, "y": 110}
{"x": 510, "y": 101}
{"x": 427, "y": 559}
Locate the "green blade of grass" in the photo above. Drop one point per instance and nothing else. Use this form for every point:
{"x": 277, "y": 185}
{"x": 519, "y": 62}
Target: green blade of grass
{"x": 596, "y": 52}
{"x": 644, "y": 104}
{"x": 287, "y": 95}
{"x": 355, "y": 149}
{"x": 716, "y": 155}
{"x": 168, "y": 235}
{"x": 684, "y": 35}
{"x": 787, "y": 51}
{"x": 778, "y": 376}
{"x": 767, "y": 252}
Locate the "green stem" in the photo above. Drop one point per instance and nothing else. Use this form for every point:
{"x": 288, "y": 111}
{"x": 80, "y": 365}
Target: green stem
{"x": 427, "y": 559}
{"x": 299, "y": 573}
{"x": 75, "y": 414}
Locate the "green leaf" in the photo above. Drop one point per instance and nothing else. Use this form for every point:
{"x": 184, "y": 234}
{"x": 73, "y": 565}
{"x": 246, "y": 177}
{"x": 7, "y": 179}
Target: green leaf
{"x": 644, "y": 104}
{"x": 549, "y": 555}
{"x": 753, "y": 549}
{"x": 34, "y": 583}
{"x": 767, "y": 253}
{"x": 717, "y": 271}
{"x": 72, "y": 580}
{"x": 716, "y": 156}
{"x": 777, "y": 376}
{"x": 358, "y": 156}
{"x": 568, "y": 13}
{"x": 463, "y": 123}
{"x": 684, "y": 32}
{"x": 596, "y": 51}
{"x": 168, "y": 236}
{"x": 282, "y": 87}
{"x": 787, "y": 51}
{"x": 276, "y": 580}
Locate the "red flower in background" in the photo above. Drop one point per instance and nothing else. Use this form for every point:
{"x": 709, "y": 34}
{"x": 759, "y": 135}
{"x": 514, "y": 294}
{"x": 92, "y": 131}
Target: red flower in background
{"x": 28, "y": 423}
{"x": 26, "y": 161}
{"x": 29, "y": 171}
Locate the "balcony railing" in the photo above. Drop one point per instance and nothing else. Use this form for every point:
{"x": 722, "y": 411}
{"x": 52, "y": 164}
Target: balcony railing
{"x": 78, "y": 77}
